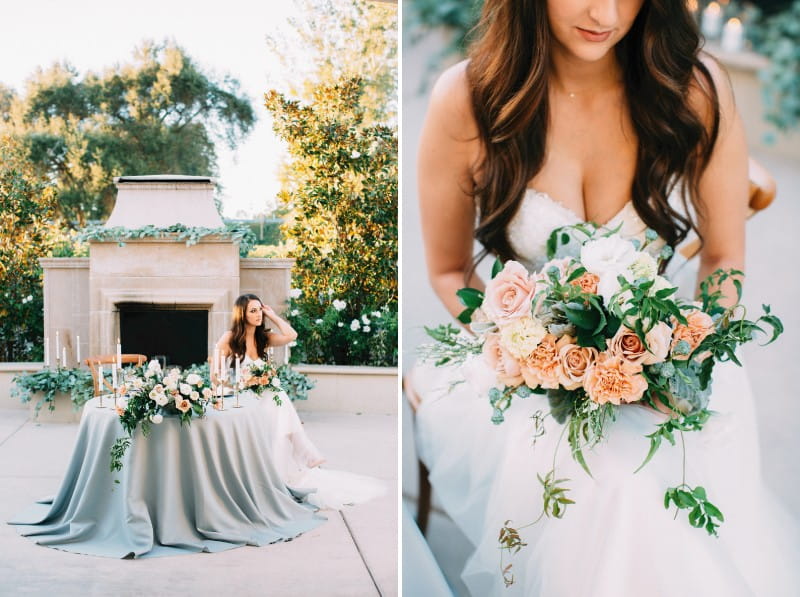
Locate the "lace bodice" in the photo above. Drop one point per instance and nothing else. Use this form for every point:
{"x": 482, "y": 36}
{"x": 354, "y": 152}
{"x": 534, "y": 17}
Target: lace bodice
{"x": 539, "y": 214}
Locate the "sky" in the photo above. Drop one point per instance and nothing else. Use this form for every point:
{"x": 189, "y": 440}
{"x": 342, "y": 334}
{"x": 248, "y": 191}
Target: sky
{"x": 223, "y": 37}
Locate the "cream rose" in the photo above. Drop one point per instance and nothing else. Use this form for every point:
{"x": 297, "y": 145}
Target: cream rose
{"x": 522, "y": 336}
{"x": 543, "y": 366}
{"x": 504, "y": 365}
{"x": 508, "y": 295}
{"x": 698, "y": 326}
{"x": 185, "y": 389}
{"x": 614, "y": 379}
{"x": 575, "y": 361}
{"x": 644, "y": 266}
{"x": 658, "y": 343}
{"x": 194, "y": 379}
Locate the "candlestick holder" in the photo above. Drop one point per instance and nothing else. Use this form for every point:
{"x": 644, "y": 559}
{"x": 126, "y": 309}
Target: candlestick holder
{"x": 100, "y": 404}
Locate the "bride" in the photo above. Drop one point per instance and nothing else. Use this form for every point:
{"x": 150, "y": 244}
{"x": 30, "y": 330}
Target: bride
{"x": 296, "y": 457}
{"x": 606, "y": 111}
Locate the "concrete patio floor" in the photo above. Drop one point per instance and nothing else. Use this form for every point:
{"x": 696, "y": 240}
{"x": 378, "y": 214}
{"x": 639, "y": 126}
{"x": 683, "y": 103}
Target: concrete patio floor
{"x": 353, "y": 554}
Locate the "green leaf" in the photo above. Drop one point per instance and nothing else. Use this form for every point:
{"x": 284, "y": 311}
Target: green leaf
{"x": 712, "y": 510}
{"x": 497, "y": 267}
{"x": 471, "y": 298}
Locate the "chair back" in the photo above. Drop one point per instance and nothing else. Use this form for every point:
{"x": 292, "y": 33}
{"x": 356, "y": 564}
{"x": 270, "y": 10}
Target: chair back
{"x": 108, "y": 359}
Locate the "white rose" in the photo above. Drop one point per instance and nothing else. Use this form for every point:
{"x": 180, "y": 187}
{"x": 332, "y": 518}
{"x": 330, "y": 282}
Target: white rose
{"x": 355, "y": 154}
{"x": 175, "y": 372}
{"x": 194, "y": 396}
{"x": 194, "y": 379}
{"x": 207, "y": 393}
{"x": 138, "y": 383}
{"x": 339, "y": 305}
{"x": 375, "y": 314}
{"x": 608, "y": 258}
{"x": 365, "y": 319}
{"x": 152, "y": 394}
{"x": 156, "y": 419}
{"x": 185, "y": 389}
{"x": 522, "y": 336}
{"x": 340, "y": 324}
{"x": 295, "y": 293}
{"x": 318, "y": 321}
{"x": 276, "y": 381}
{"x": 366, "y": 329}
{"x": 161, "y": 399}
{"x": 355, "y": 324}
{"x": 644, "y": 266}
{"x": 171, "y": 383}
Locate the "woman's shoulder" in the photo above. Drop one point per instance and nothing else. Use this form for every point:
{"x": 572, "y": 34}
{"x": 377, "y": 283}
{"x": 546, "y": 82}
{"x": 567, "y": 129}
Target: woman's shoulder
{"x": 225, "y": 339}
{"x": 699, "y": 90}
{"x": 451, "y": 101}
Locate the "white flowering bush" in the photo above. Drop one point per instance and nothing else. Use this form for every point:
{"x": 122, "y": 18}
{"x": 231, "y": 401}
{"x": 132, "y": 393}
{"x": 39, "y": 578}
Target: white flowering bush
{"x": 342, "y": 336}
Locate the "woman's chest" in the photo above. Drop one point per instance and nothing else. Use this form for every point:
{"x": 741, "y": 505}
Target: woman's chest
{"x": 590, "y": 158}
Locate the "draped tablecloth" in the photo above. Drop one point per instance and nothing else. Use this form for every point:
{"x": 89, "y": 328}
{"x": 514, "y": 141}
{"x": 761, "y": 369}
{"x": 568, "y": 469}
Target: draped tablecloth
{"x": 208, "y": 486}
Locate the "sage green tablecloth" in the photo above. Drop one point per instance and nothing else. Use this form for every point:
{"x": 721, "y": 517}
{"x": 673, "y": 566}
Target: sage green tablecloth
{"x": 208, "y": 486}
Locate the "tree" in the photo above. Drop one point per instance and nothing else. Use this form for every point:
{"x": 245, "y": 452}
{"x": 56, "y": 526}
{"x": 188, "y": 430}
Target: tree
{"x": 332, "y": 40}
{"x": 344, "y": 194}
{"x": 27, "y": 203}
{"x": 158, "y": 114}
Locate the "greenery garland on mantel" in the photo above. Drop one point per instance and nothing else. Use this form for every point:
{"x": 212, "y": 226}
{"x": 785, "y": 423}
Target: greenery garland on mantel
{"x": 239, "y": 233}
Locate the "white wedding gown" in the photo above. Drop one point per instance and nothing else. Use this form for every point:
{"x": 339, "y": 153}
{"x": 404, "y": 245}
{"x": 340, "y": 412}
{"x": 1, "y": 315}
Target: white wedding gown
{"x": 617, "y": 540}
{"x": 298, "y": 460}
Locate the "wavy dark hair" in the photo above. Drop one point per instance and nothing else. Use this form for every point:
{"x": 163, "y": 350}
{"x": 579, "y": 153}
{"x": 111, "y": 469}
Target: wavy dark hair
{"x": 508, "y": 79}
{"x": 239, "y": 325}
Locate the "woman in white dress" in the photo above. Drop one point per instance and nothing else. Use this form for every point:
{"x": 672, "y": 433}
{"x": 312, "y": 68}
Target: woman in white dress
{"x": 297, "y": 458}
{"x": 606, "y": 111}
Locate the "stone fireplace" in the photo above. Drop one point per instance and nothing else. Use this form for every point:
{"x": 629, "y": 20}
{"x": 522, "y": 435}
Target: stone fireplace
{"x": 159, "y": 296}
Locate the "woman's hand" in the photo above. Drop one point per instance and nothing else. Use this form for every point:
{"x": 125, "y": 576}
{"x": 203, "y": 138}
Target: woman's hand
{"x": 268, "y": 311}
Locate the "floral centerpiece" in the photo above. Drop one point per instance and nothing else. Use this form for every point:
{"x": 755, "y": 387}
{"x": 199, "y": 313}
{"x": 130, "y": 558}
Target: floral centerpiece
{"x": 148, "y": 394}
{"x": 598, "y": 328}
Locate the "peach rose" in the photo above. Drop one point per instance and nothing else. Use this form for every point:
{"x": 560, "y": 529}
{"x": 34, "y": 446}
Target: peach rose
{"x": 614, "y": 379}
{"x": 587, "y": 282}
{"x": 543, "y": 366}
{"x": 183, "y": 405}
{"x": 628, "y": 345}
{"x": 575, "y": 361}
{"x": 508, "y": 295}
{"x": 698, "y": 326}
{"x": 501, "y": 362}
{"x": 218, "y": 405}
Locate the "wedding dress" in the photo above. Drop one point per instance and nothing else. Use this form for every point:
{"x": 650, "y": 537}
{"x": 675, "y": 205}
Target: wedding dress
{"x": 617, "y": 539}
{"x": 299, "y": 460}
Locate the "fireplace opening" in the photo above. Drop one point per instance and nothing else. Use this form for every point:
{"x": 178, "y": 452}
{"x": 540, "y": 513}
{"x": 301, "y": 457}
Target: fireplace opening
{"x": 173, "y": 334}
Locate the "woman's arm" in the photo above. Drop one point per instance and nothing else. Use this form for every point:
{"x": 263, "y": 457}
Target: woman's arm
{"x": 287, "y": 333}
{"x": 724, "y": 186}
{"x": 447, "y": 153}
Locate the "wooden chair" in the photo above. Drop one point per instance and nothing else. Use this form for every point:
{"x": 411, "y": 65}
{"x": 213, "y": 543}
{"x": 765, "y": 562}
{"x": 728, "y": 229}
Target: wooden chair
{"x": 762, "y": 192}
{"x": 107, "y": 359}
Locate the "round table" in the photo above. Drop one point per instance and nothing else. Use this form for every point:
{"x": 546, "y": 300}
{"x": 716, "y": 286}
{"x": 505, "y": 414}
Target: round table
{"x": 208, "y": 486}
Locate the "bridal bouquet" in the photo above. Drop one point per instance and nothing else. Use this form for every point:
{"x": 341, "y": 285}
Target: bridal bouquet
{"x": 263, "y": 378}
{"x": 597, "y": 328}
{"x": 148, "y": 394}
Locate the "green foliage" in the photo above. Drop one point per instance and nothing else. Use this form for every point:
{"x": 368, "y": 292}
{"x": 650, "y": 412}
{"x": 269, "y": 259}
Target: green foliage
{"x": 294, "y": 383}
{"x": 778, "y": 38}
{"x": 344, "y": 199}
{"x": 450, "y": 346}
{"x": 702, "y": 513}
{"x": 26, "y": 205}
{"x": 459, "y": 16}
{"x": 347, "y": 39}
{"x": 191, "y": 235}
{"x": 159, "y": 113}
{"x": 336, "y": 337}
{"x": 49, "y": 382}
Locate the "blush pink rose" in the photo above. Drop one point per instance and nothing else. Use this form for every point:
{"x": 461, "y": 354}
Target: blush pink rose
{"x": 543, "y": 366}
{"x": 504, "y": 365}
{"x": 614, "y": 379}
{"x": 575, "y": 362}
{"x": 508, "y": 295}
{"x": 658, "y": 342}
{"x": 698, "y": 326}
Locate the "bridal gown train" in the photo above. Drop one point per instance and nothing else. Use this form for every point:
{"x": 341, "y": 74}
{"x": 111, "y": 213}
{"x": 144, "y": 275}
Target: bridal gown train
{"x": 617, "y": 539}
{"x": 299, "y": 460}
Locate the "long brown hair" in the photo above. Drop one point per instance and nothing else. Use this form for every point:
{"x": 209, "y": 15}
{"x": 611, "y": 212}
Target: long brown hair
{"x": 237, "y": 342}
{"x": 508, "y": 78}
